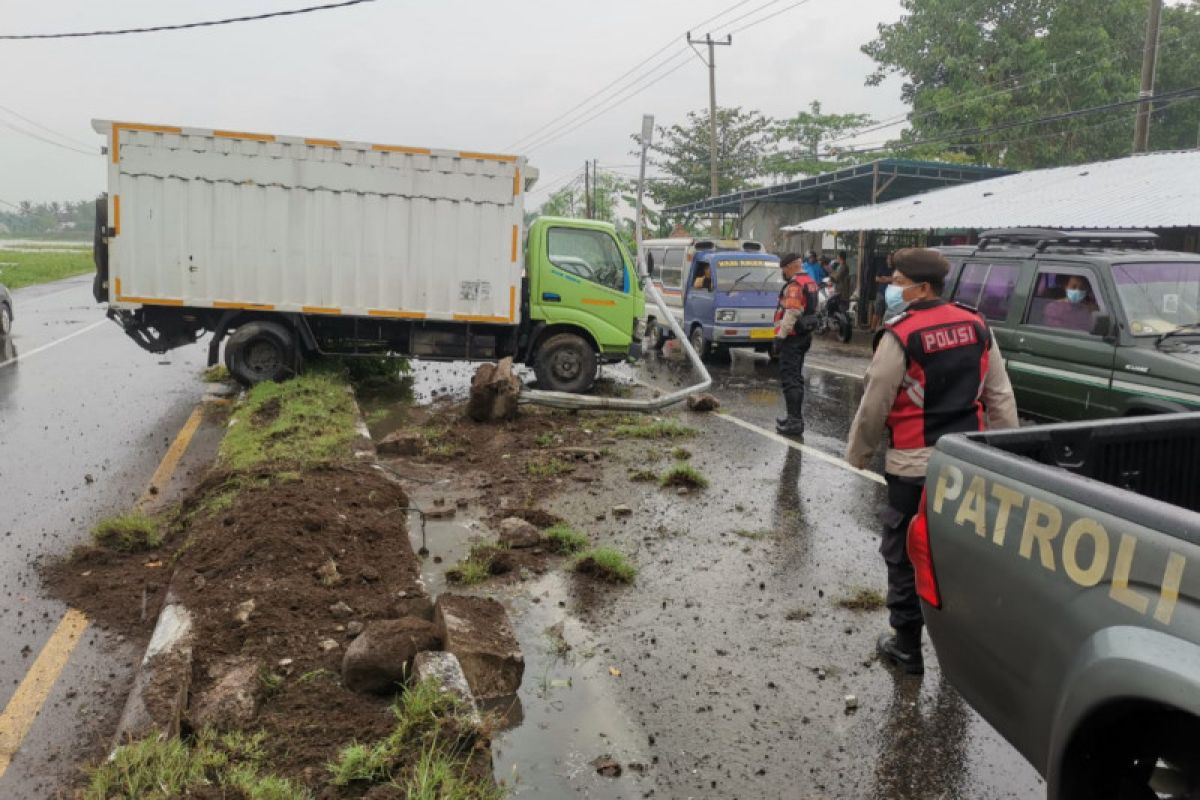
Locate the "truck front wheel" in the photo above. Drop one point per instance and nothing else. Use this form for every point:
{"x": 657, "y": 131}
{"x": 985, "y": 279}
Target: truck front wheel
{"x": 565, "y": 362}
{"x": 262, "y": 351}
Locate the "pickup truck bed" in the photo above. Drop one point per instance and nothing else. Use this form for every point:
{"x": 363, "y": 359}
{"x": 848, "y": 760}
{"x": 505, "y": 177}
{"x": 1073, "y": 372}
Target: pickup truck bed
{"x": 1061, "y": 590}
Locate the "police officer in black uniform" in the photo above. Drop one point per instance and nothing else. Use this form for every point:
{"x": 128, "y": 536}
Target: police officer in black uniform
{"x": 795, "y": 318}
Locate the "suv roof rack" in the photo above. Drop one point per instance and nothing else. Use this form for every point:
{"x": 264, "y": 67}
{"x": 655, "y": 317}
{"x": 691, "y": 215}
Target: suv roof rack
{"x": 1041, "y": 238}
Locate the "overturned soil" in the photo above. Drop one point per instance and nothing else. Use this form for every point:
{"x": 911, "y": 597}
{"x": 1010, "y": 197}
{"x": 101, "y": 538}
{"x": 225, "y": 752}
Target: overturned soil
{"x": 297, "y": 547}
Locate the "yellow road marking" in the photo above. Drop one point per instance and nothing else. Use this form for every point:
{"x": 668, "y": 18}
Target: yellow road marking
{"x": 166, "y": 467}
{"x": 31, "y": 694}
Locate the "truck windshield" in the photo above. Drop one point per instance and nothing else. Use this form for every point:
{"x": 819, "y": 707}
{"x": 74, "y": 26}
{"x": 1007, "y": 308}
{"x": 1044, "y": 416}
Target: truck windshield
{"x": 747, "y": 275}
{"x": 1159, "y": 297}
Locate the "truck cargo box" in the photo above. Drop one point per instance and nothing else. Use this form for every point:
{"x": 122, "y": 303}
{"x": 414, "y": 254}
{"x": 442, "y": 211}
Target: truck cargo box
{"x": 225, "y": 220}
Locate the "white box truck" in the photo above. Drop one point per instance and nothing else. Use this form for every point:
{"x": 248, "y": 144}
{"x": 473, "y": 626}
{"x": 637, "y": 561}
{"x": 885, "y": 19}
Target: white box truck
{"x": 293, "y": 246}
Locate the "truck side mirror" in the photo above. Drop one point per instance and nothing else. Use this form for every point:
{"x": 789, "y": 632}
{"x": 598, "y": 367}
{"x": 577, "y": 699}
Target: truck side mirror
{"x": 1102, "y": 326}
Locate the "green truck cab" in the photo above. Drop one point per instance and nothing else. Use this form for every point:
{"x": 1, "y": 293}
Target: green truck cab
{"x": 583, "y": 301}
{"x": 1091, "y": 324}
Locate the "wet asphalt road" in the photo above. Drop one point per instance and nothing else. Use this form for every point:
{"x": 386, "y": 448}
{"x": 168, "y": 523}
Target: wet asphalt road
{"x": 92, "y": 404}
{"x": 735, "y": 658}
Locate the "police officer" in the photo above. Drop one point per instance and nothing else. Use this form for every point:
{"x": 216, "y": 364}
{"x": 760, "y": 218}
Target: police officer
{"x": 936, "y": 370}
{"x": 794, "y": 322}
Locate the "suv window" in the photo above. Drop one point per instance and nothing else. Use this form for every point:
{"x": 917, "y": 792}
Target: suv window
{"x": 592, "y": 255}
{"x": 672, "y": 271}
{"x": 1064, "y": 299}
{"x": 988, "y": 288}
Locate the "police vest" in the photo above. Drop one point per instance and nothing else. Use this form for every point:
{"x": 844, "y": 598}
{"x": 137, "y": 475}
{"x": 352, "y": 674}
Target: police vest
{"x": 808, "y": 317}
{"x": 946, "y": 349}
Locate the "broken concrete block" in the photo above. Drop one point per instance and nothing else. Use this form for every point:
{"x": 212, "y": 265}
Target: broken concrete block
{"x": 401, "y": 443}
{"x": 231, "y": 700}
{"x": 477, "y": 631}
{"x": 381, "y": 656}
{"x": 516, "y": 532}
{"x": 160, "y": 690}
{"x": 494, "y": 392}
{"x": 445, "y": 669}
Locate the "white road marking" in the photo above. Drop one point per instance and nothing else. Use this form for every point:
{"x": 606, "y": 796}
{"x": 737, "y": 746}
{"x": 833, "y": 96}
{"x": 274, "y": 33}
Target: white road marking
{"x": 834, "y": 370}
{"x": 812, "y": 451}
{"x": 36, "y": 350}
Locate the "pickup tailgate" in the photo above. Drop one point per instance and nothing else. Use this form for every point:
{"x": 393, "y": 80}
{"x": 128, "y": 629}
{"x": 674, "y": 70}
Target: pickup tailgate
{"x": 1043, "y": 571}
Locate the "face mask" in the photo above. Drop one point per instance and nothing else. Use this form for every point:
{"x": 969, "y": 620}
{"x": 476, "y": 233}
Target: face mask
{"x": 1076, "y": 295}
{"x": 894, "y": 297}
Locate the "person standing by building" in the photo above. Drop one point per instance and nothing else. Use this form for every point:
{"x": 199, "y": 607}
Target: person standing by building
{"x": 813, "y": 267}
{"x": 841, "y": 281}
{"x": 882, "y": 279}
{"x": 795, "y": 318}
{"x": 936, "y": 370}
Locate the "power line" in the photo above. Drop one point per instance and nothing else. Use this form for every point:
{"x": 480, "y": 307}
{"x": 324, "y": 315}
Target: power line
{"x": 186, "y": 25}
{"x": 41, "y": 138}
{"x": 37, "y": 124}
{"x": 769, "y": 16}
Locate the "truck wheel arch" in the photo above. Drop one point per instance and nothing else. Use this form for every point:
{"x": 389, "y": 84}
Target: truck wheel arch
{"x": 1101, "y": 708}
{"x": 544, "y": 332}
{"x": 235, "y": 319}
{"x": 1146, "y": 406}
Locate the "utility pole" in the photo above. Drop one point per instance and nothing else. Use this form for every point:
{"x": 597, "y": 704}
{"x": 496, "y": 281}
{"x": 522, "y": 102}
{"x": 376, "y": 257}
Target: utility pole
{"x": 587, "y": 189}
{"x": 595, "y": 188}
{"x": 711, "y": 63}
{"x": 1141, "y": 134}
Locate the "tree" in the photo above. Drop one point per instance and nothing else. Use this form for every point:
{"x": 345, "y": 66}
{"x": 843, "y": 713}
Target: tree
{"x": 809, "y": 133}
{"x": 1020, "y": 60}
{"x": 682, "y": 152}
{"x": 1177, "y": 126}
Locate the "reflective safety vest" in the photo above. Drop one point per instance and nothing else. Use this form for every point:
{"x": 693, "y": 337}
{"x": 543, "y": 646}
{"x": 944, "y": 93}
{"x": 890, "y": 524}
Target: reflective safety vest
{"x": 946, "y": 349}
{"x": 806, "y": 287}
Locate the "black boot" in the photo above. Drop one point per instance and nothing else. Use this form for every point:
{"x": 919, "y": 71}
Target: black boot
{"x": 793, "y": 424}
{"x": 903, "y": 649}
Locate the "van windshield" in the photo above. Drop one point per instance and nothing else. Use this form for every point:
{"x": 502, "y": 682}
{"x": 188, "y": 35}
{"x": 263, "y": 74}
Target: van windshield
{"x": 748, "y": 275}
{"x": 1159, "y": 297}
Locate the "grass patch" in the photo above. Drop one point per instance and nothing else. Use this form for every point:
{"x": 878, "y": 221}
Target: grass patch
{"x": 481, "y": 563}
{"x": 131, "y": 532}
{"x": 549, "y": 468}
{"x": 564, "y": 539}
{"x": 305, "y": 421}
{"x": 374, "y": 373}
{"x": 863, "y": 600}
{"x": 19, "y": 269}
{"x": 217, "y": 373}
{"x": 681, "y": 454}
{"x": 683, "y": 474}
{"x": 545, "y": 440}
{"x": 657, "y": 429}
{"x": 432, "y": 725}
{"x": 643, "y": 476}
{"x": 607, "y": 564}
{"x": 151, "y": 769}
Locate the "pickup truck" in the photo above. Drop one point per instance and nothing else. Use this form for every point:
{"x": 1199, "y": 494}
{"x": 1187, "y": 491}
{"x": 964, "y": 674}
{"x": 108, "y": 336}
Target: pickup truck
{"x": 1059, "y": 572}
{"x": 288, "y": 247}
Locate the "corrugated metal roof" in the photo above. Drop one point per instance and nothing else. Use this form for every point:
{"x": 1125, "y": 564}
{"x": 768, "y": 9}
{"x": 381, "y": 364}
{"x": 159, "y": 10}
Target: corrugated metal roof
{"x": 1155, "y": 190}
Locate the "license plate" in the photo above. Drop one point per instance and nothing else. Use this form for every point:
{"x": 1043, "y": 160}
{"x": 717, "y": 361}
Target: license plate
{"x": 762, "y": 333}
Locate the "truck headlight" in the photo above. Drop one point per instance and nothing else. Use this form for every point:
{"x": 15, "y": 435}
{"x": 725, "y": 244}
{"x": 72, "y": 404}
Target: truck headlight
{"x": 726, "y": 315}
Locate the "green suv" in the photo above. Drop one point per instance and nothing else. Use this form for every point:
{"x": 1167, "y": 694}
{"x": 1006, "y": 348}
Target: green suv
{"x": 1091, "y": 323}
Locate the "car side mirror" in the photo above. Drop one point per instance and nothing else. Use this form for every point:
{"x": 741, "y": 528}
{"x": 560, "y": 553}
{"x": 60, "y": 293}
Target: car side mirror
{"x": 1102, "y": 326}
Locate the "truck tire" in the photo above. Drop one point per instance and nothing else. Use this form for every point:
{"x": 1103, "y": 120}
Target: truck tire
{"x": 1154, "y": 757}
{"x": 5, "y": 322}
{"x": 262, "y": 351}
{"x": 565, "y": 362}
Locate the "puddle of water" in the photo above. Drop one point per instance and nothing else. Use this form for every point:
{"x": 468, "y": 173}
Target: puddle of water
{"x": 570, "y": 710}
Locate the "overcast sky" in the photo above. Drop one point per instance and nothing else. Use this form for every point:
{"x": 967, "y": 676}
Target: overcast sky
{"x": 470, "y": 74}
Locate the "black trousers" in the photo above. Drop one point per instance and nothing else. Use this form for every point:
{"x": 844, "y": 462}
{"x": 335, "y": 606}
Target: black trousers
{"x": 904, "y": 498}
{"x": 792, "y": 350}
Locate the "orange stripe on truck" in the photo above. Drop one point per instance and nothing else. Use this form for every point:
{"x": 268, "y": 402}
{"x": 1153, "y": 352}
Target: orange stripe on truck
{"x": 152, "y": 301}
{"x": 486, "y": 156}
{"x": 514, "y": 244}
{"x": 323, "y": 143}
{"x": 257, "y": 137}
{"x": 247, "y": 306}
{"x": 135, "y": 126}
{"x": 512, "y": 303}
{"x": 478, "y": 318}
{"x": 382, "y": 312}
{"x": 320, "y": 310}
{"x": 517, "y": 183}
{"x": 587, "y": 301}
{"x": 395, "y": 148}
{"x": 116, "y": 215}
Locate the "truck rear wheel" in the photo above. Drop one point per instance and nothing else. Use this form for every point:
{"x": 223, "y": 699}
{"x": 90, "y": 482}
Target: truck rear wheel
{"x": 565, "y": 362}
{"x": 262, "y": 351}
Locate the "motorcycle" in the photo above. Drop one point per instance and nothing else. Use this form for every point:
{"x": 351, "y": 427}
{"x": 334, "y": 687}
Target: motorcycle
{"x": 833, "y": 314}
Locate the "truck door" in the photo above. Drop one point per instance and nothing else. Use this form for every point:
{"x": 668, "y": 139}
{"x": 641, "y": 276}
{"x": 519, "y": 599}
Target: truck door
{"x": 1065, "y": 371}
{"x": 584, "y": 280}
{"x": 698, "y": 303}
